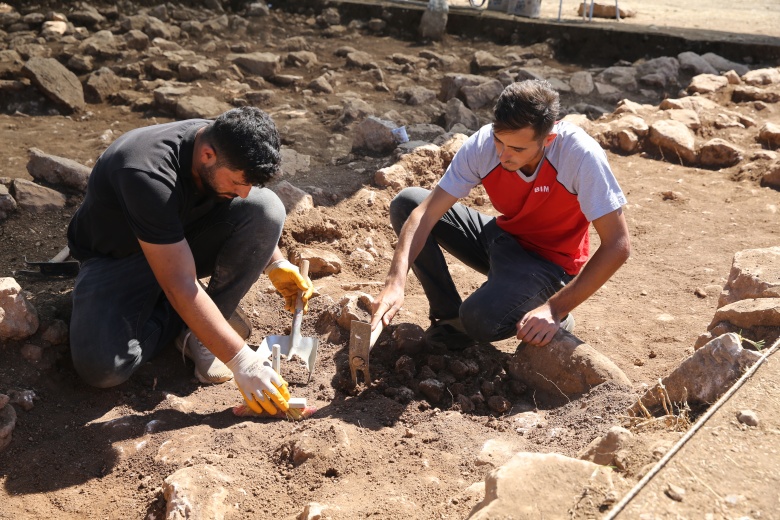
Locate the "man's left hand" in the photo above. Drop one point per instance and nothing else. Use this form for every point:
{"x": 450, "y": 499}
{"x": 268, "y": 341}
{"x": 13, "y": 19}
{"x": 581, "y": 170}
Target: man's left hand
{"x": 538, "y": 326}
{"x": 288, "y": 281}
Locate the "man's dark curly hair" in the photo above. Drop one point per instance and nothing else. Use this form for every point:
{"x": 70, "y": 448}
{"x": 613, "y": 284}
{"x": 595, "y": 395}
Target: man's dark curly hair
{"x": 246, "y": 139}
{"x": 527, "y": 104}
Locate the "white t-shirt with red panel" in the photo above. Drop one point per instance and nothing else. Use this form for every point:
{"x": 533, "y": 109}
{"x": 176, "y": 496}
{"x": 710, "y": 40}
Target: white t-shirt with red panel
{"x": 548, "y": 212}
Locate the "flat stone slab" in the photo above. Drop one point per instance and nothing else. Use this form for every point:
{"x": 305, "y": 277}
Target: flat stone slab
{"x": 56, "y": 82}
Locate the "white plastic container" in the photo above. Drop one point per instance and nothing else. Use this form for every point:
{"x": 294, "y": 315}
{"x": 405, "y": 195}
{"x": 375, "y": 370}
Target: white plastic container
{"x": 526, "y": 8}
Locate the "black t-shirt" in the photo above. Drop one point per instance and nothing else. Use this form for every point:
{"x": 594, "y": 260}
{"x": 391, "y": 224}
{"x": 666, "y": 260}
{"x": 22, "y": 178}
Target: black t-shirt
{"x": 140, "y": 188}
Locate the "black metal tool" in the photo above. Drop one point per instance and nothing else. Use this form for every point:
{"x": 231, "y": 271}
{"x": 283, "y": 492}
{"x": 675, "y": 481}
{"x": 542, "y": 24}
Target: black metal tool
{"x": 57, "y": 266}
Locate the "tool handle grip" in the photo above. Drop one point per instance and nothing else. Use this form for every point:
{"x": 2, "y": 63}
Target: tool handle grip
{"x": 298, "y": 316}
{"x": 61, "y": 256}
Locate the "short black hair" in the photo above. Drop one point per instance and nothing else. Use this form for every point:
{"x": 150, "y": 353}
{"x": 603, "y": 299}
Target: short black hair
{"x": 246, "y": 139}
{"x": 531, "y": 103}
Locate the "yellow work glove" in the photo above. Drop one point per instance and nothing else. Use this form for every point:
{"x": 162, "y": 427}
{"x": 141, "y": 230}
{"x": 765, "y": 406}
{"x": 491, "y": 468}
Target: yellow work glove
{"x": 261, "y": 387}
{"x": 288, "y": 281}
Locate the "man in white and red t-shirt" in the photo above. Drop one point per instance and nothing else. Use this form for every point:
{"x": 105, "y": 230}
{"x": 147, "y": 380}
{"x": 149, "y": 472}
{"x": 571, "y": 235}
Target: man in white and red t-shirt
{"x": 549, "y": 180}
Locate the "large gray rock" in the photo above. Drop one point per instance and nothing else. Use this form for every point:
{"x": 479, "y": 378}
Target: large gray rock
{"x": 723, "y": 65}
{"x": 484, "y": 61}
{"x": 87, "y": 16}
{"x": 478, "y": 96}
{"x": 749, "y": 314}
{"x": 762, "y": 77}
{"x": 18, "y": 317}
{"x": 457, "y": 113}
{"x": 353, "y": 109}
{"x": 263, "y": 64}
{"x": 11, "y": 63}
{"x": 566, "y": 366}
{"x": 747, "y": 93}
{"x": 374, "y": 135}
{"x": 361, "y": 60}
{"x": 58, "y": 171}
{"x": 769, "y": 134}
{"x": 659, "y": 72}
{"x": 37, "y": 199}
{"x": 294, "y": 162}
{"x": 167, "y": 97}
{"x": 100, "y": 85}
{"x": 605, "y": 449}
{"x": 675, "y": 140}
{"x": 103, "y": 44}
{"x": 702, "y": 377}
{"x": 452, "y": 83}
{"x": 295, "y": 200}
{"x": 755, "y": 273}
{"x": 137, "y": 40}
{"x": 321, "y": 261}
{"x": 156, "y": 28}
{"x": 624, "y": 77}
{"x": 707, "y": 83}
{"x": 7, "y": 202}
{"x": 770, "y": 178}
{"x": 198, "y": 491}
{"x": 321, "y": 84}
{"x": 416, "y": 95}
{"x": 719, "y": 153}
{"x": 206, "y": 107}
{"x": 536, "y": 485}
{"x": 582, "y": 82}
{"x": 56, "y": 82}
{"x": 692, "y": 62}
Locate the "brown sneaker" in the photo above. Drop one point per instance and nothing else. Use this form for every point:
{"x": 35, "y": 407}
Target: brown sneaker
{"x": 448, "y": 335}
{"x": 240, "y": 323}
{"x": 208, "y": 369}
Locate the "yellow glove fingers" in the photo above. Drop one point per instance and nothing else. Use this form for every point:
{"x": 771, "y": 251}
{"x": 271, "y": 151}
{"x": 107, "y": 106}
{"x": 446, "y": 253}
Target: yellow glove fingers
{"x": 266, "y": 403}
{"x": 306, "y": 286}
{"x": 283, "y": 390}
{"x": 277, "y": 400}
{"x": 251, "y": 403}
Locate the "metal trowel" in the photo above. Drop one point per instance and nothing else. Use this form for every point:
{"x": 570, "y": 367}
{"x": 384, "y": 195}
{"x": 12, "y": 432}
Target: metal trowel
{"x": 295, "y": 344}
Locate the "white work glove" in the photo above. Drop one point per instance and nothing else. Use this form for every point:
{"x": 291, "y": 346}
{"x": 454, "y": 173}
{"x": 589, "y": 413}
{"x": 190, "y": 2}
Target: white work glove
{"x": 261, "y": 386}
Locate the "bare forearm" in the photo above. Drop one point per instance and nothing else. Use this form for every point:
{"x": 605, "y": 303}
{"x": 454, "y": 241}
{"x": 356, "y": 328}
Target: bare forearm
{"x": 203, "y": 317}
{"x": 276, "y": 256}
{"x": 602, "y": 265}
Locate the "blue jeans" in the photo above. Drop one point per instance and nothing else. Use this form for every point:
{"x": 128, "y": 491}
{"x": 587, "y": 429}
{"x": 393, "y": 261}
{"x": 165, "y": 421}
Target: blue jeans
{"x": 517, "y": 280}
{"x": 121, "y": 317}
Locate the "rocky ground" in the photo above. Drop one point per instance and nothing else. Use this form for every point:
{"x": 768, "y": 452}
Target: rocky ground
{"x": 691, "y": 138}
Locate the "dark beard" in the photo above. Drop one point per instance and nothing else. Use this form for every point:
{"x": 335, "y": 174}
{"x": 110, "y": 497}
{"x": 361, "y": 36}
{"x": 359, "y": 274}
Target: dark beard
{"x": 207, "y": 178}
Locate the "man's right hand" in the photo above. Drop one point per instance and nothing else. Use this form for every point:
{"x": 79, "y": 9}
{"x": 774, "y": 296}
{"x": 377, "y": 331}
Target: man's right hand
{"x": 261, "y": 386}
{"x": 387, "y": 304}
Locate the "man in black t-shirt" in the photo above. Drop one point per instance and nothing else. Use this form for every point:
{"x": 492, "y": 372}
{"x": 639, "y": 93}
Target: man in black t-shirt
{"x": 165, "y": 206}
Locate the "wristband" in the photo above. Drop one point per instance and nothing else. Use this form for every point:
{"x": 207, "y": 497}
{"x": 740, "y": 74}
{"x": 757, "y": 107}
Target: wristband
{"x": 274, "y": 265}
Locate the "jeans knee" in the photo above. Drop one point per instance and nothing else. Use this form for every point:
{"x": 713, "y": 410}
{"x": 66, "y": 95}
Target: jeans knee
{"x": 268, "y": 209}
{"x": 478, "y": 324}
{"x": 100, "y": 368}
{"x": 99, "y": 375}
{"x": 403, "y": 204}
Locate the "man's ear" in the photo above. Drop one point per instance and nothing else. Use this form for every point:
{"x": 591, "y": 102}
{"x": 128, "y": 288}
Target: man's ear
{"x": 549, "y": 139}
{"x": 208, "y": 155}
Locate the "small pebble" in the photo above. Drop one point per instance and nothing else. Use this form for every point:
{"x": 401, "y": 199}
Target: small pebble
{"x": 675, "y": 492}
{"x": 748, "y": 417}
